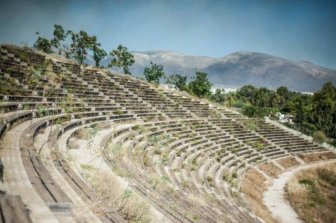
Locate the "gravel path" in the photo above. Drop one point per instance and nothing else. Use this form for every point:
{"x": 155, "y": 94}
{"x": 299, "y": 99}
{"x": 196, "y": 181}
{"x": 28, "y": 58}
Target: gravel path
{"x": 274, "y": 197}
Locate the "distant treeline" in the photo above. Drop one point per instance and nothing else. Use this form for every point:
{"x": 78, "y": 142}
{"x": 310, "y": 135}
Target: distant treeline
{"x": 312, "y": 113}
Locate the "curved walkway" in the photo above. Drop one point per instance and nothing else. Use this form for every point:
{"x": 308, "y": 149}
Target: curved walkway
{"x": 274, "y": 197}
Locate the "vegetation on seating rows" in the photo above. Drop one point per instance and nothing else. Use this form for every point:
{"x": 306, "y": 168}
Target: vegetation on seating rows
{"x": 79, "y": 45}
{"x": 314, "y": 114}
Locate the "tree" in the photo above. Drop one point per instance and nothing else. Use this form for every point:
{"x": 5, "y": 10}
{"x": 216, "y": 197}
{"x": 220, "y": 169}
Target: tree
{"x": 178, "y": 81}
{"x": 81, "y": 42}
{"x": 200, "y": 86}
{"x": 324, "y": 105}
{"x": 98, "y": 52}
{"x": 154, "y": 73}
{"x": 283, "y": 91}
{"x": 42, "y": 44}
{"x": 122, "y": 58}
{"x": 247, "y": 92}
{"x": 59, "y": 36}
{"x": 250, "y": 111}
{"x": 218, "y": 96}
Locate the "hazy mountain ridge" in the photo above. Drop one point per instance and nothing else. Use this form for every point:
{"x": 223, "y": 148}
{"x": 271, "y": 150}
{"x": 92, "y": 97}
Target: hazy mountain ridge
{"x": 240, "y": 68}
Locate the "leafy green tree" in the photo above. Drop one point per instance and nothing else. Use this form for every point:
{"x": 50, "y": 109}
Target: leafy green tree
{"x": 200, "y": 86}
{"x": 230, "y": 99}
{"x": 324, "y": 105}
{"x": 263, "y": 97}
{"x": 247, "y": 93}
{"x": 283, "y": 91}
{"x": 42, "y": 44}
{"x": 178, "y": 81}
{"x": 122, "y": 58}
{"x": 250, "y": 111}
{"x": 81, "y": 42}
{"x": 312, "y": 113}
{"x": 81, "y": 45}
{"x": 59, "y": 36}
{"x": 255, "y": 111}
{"x": 98, "y": 52}
{"x": 219, "y": 96}
{"x": 154, "y": 73}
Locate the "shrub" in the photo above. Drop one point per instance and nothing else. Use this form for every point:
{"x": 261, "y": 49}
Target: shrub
{"x": 319, "y": 137}
{"x": 113, "y": 195}
{"x": 327, "y": 176}
{"x": 118, "y": 112}
{"x": 251, "y": 125}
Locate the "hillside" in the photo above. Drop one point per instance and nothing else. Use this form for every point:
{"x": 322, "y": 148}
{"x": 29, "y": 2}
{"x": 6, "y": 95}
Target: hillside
{"x": 241, "y": 68}
{"x": 82, "y": 144}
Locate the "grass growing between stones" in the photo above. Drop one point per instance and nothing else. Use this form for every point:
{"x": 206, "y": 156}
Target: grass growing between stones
{"x": 113, "y": 195}
{"x": 253, "y": 186}
{"x": 312, "y": 193}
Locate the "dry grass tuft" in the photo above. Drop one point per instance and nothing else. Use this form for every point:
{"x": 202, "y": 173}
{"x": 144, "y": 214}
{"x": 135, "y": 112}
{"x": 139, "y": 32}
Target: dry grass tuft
{"x": 315, "y": 157}
{"x": 270, "y": 169}
{"x": 288, "y": 162}
{"x": 124, "y": 201}
{"x": 197, "y": 200}
{"x": 73, "y": 144}
{"x": 104, "y": 125}
{"x": 253, "y": 186}
{"x": 312, "y": 193}
{"x": 83, "y": 133}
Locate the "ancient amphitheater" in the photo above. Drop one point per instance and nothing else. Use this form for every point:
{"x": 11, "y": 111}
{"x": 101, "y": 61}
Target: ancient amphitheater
{"x": 70, "y": 134}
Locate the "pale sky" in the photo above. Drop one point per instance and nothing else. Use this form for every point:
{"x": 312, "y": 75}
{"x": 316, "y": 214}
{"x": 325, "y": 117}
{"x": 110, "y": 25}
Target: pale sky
{"x": 293, "y": 29}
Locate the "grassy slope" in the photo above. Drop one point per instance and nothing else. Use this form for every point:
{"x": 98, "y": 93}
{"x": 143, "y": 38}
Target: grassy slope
{"x": 312, "y": 193}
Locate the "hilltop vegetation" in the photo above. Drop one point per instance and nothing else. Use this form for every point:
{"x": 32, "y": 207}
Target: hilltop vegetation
{"x": 79, "y": 46}
{"x": 313, "y": 113}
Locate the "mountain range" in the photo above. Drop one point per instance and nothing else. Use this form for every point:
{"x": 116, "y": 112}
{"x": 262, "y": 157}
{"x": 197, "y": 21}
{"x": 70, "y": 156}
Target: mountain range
{"x": 240, "y": 68}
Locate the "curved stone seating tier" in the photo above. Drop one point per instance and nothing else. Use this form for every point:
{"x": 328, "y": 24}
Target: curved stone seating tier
{"x": 73, "y": 179}
{"x": 145, "y": 148}
{"x": 80, "y": 187}
{"x": 290, "y": 143}
{"x": 12, "y": 209}
{"x": 175, "y": 214}
{"x": 186, "y": 158}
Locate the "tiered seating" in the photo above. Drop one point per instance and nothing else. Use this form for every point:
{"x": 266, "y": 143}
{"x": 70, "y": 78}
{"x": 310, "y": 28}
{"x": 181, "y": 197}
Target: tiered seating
{"x": 166, "y": 143}
{"x": 286, "y": 140}
{"x": 155, "y": 98}
{"x": 184, "y": 157}
{"x": 196, "y": 107}
{"x": 249, "y": 137}
{"x": 110, "y": 86}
